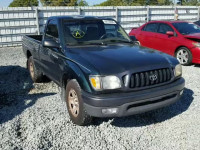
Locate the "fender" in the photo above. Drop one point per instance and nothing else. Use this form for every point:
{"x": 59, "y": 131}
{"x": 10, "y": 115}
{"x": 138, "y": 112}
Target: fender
{"x": 73, "y": 71}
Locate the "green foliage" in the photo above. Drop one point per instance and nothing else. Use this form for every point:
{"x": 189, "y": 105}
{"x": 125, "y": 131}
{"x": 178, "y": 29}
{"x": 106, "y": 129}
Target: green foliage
{"x": 129, "y": 2}
{"x": 165, "y": 2}
{"x": 111, "y": 3}
{"x": 59, "y": 2}
{"x": 83, "y": 3}
{"x": 190, "y": 2}
{"x": 146, "y": 2}
{"x": 24, "y": 3}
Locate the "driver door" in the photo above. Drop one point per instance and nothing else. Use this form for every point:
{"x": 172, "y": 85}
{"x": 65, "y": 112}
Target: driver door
{"x": 51, "y": 56}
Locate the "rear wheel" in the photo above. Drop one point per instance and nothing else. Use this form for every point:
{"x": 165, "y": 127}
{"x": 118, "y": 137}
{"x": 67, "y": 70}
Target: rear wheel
{"x": 35, "y": 74}
{"x": 75, "y": 105}
{"x": 184, "y": 56}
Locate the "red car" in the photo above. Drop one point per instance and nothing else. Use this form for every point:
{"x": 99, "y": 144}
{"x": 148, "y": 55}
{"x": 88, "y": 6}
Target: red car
{"x": 177, "y": 38}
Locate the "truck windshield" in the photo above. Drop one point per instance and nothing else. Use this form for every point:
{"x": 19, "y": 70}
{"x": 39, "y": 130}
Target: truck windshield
{"x": 88, "y": 32}
{"x": 186, "y": 28}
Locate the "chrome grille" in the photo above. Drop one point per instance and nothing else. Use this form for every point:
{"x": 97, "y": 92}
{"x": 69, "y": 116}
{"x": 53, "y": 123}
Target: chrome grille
{"x": 149, "y": 78}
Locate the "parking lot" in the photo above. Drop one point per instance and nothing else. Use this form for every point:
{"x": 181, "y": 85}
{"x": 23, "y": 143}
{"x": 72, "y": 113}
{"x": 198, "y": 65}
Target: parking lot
{"x": 32, "y": 116}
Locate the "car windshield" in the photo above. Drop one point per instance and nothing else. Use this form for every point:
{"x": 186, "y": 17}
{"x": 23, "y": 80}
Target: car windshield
{"x": 186, "y": 28}
{"x": 88, "y": 32}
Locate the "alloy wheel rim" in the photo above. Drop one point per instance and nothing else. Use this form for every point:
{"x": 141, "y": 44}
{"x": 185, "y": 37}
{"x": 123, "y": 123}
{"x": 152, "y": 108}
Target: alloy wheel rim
{"x": 137, "y": 43}
{"x": 73, "y": 103}
{"x": 182, "y": 56}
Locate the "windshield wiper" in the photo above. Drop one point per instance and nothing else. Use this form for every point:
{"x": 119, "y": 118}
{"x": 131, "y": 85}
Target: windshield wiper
{"x": 118, "y": 40}
{"x": 86, "y": 43}
{"x": 95, "y": 43}
{"x": 76, "y": 43}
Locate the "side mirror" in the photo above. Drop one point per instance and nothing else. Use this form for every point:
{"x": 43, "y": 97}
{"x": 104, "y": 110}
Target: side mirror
{"x": 50, "y": 43}
{"x": 170, "y": 33}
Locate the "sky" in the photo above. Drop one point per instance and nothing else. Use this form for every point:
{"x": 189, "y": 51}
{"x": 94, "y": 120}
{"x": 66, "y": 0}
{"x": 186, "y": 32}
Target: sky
{"x": 5, "y": 3}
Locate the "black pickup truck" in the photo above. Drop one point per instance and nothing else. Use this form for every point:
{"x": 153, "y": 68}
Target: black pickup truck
{"x": 100, "y": 71}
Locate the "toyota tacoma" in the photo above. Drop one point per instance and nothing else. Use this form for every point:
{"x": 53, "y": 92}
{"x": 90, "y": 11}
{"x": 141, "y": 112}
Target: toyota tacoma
{"x": 100, "y": 71}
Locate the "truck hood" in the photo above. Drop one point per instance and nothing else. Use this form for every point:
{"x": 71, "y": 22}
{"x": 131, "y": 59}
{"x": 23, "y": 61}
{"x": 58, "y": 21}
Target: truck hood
{"x": 114, "y": 59}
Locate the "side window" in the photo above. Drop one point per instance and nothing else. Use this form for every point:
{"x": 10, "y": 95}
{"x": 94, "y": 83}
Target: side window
{"x": 52, "y": 30}
{"x": 163, "y": 28}
{"x": 151, "y": 27}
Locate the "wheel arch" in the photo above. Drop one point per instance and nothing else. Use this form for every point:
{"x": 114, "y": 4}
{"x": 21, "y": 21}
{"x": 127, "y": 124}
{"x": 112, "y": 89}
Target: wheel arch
{"x": 74, "y": 72}
{"x": 28, "y": 54}
{"x": 179, "y": 48}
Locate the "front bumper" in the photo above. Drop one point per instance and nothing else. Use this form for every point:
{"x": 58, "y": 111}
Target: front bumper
{"x": 133, "y": 102}
{"x": 195, "y": 55}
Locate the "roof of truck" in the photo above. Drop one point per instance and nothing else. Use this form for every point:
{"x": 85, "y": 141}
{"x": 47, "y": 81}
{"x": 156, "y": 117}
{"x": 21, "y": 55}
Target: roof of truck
{"x": 79, "y": 17}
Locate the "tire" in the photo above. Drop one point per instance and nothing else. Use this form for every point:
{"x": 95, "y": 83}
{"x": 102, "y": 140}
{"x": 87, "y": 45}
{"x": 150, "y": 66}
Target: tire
{"x": 184, "y": 56}
{"x": 78, "y": 114}
{"x": 35, "y": 74}
{"x": 136, "y": 43}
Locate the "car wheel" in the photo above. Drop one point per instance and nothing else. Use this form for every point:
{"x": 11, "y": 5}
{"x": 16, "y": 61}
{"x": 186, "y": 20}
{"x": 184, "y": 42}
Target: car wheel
{"x": 75, "y": 105}
{"x": 35, "y": 74}
{"x": 184, "y": 56}
{"x": 136, "y": 43}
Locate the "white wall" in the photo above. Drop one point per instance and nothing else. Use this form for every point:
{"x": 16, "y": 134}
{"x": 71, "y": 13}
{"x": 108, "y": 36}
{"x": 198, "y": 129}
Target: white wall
{"x": 15, "y": 22}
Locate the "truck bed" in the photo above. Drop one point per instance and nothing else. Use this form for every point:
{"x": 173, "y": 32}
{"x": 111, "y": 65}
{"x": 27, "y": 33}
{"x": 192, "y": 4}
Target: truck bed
{"x": 32, "y": 44}
{"x": 35, "y": 37}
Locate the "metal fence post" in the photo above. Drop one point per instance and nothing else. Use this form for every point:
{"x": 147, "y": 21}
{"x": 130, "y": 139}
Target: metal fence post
{"x": 198, "y": 16}
{"x": 79, "y": 10}
{"x": 175, "y": 13}
{"x": 116, "y": 14}
{"x": 148, "y": 12}
{"x": 37, "y": 20}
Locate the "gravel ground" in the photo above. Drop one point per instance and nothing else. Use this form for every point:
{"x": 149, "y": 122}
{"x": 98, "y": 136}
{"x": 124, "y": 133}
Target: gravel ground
{"x": 32, "y": 116}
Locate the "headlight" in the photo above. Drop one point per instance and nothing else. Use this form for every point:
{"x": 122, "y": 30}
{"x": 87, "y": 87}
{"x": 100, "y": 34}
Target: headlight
{"x": 105, "y": 82}
{"x": 111, "y": 82}
{"x": 196, "y": 44}
{"x": 95, "y": 82}
{"x": 178, "y": 70}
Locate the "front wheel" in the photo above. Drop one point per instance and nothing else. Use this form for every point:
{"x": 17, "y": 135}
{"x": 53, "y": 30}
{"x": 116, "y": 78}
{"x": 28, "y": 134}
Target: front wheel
{"x": 75, "y": 105}
{"x": 184, "y": 56}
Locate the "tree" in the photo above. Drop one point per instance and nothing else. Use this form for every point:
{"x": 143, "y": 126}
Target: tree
{"x": 179, "y": 2}
{"x": 23, "y": 3}
{"x": 190, "y": 2}
{"x": 111, "y": 3}
{"x": 59, "y": 2}
{"x": 72, "y": 3}
{"x": 83, "y": 3}
{"x": 153, "y": 2}
{"x": 128, "y": 2}
{"x": 168, "y": 2}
